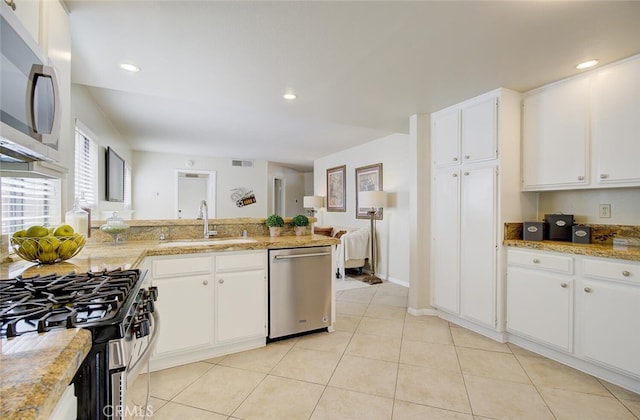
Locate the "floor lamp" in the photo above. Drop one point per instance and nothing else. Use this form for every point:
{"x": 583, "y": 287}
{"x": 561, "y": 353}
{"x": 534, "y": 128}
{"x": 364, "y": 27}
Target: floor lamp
{"x": 375, "y": 201}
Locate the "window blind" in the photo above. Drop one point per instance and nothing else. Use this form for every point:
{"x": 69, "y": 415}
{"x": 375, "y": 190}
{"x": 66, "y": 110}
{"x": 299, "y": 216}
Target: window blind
{"x": 86, "y": 169}
{"x": 29, "y": 201}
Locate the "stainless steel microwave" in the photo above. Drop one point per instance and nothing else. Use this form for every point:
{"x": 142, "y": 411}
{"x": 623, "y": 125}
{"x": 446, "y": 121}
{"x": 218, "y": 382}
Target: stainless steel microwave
{"x": 29, "y": 94}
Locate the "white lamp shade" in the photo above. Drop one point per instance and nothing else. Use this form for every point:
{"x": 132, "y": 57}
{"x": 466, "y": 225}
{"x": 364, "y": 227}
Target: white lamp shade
{"x": 373, "y": 199}
{"x": 313, "y": 202}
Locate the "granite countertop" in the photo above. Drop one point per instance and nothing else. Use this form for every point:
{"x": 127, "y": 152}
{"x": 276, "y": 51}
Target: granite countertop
{"x": 594, "y": 250}
{"x": 35, "y": 369}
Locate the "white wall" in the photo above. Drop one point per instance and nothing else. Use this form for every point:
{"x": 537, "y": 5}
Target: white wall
{"x": 105, "y": 134}
{"x": 154, "y": 184}
{"x": 393, "y": 231}
{"x": 625, "y": 205}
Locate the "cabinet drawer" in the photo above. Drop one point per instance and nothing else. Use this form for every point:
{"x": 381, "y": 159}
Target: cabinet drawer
{"x": 548, "y": 262}
{"x": 241, "y": 261}
{"x": 172, "y": 267}
{"x": 619, "y": 270}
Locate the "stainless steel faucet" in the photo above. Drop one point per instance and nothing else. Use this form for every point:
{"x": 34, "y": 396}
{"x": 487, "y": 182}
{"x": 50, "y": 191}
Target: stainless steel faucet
{"x": 203, "y": 213}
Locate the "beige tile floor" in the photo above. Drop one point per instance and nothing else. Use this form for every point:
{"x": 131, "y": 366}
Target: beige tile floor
{"x": 382, "y": 363}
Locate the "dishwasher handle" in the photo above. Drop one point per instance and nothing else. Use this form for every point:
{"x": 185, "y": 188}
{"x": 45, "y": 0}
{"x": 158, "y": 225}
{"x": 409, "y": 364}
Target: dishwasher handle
{"x": 289, "y": 257}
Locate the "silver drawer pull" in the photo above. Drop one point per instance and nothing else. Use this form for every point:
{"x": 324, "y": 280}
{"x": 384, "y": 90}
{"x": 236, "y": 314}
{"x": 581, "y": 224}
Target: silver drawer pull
{"x": 626, "y": 273}
{"x": 454, "y": 175}
{"x": 563, "y": 285}
{"x": 205, "y": 282}
{"x": 581, "y": 178}
{"x": 587, "y": 289}
{"x": 467, "y": 156}
{"x": 604, "y": 176}
{"x": 221, "y": 281}
{"x": 536, "y": 261}
{"x": 455, "y": 159}
{"x": 466, "y": 174}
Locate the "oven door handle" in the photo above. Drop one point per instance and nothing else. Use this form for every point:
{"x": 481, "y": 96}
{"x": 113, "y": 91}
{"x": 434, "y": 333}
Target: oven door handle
{"x": 133, "y": 370}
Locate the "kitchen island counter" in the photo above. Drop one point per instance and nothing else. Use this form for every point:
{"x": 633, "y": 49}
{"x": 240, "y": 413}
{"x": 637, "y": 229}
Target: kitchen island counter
{"x": 35, "y": 370}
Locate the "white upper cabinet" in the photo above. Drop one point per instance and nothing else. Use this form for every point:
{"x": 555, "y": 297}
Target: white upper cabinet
{"x": 465, "y": 133}
{"x": 615, "y": 124}
{"x": 29, "y": 14}
{"x": 584, "y": 132}
{"x": 555, "y": 136}
{"x": 478, "y": 131}
{"x": 446, "y": 131}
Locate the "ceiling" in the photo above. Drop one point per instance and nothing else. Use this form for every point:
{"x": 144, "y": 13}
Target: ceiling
{"x": 213, "y": 73}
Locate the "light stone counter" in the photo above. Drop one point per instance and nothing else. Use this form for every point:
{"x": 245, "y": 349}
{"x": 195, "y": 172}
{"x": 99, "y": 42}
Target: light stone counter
{"x": 35, "y": 370}
{"x": 42, "y": 365}
{"x": 594, "y": 250}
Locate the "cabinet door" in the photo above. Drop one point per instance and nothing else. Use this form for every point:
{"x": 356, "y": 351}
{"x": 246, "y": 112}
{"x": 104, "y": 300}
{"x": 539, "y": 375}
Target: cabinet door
{"x": 185, "y": 307}
{"x": 610, "y": 321}
{"x": 615, "y": 123}
{"x": 479, "y": 125}
{"x": 555, "y": 136}
{"x": 478, "y": 245}
{"x": 446, "y": 262}
{"x": 539, "y": 306}
{"x": 446, "y": 138}
{"x": 240, "y": 305}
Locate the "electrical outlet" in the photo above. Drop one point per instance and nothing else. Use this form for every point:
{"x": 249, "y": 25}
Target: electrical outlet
{"x": 605, "y": 211}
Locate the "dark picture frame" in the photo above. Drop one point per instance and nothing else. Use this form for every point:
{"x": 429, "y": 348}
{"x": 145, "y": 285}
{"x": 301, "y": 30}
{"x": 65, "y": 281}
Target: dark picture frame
{"x": 368, "y": 178}
{"x": 337, "y": 188}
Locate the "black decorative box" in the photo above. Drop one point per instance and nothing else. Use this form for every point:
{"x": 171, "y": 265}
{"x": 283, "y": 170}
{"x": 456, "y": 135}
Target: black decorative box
{"x": 581, "y": 234}
{"x": 559, "y": 226}
{"x": 533, "y": 231}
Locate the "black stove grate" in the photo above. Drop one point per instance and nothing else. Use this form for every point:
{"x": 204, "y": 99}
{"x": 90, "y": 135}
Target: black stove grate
{"x": 41, "y": 303}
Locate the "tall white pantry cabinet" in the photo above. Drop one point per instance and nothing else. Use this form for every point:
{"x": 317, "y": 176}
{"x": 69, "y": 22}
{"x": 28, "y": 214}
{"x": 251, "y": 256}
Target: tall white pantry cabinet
{"x": 475, "y": 190}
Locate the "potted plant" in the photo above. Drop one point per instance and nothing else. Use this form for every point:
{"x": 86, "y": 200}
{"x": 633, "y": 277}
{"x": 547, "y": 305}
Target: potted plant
{"x": 274, "y": 222}
{"x": 300, "y": 223}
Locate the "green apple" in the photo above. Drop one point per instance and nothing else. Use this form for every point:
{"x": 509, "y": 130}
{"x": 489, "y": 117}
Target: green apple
{"x": 67, "y": 249}
{"x": 48, "y": 257}
{"x": 49, "y": 243}
{"x": 64, "y": 230}
{"x": 37, "y": 231}
{"x": 28, "y": 249}
{"x": 19, "y": 234}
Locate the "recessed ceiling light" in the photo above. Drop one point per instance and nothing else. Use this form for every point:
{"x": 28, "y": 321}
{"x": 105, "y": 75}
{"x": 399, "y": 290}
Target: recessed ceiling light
{"x": 289, "y": 96}
{"x": 129, "y": 67}
{"x": 586, "y": 64}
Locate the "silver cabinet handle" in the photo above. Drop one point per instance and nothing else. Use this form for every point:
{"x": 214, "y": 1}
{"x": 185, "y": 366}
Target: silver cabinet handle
{"x": 11, "y": 4}
{"x": 536, "y": 261}
{"x": 563, "y": 285}
{"x": 205, "y": 282}
{"x": 467, "y": 156}
{"x": 581, "y": 178}
{"x": 604, "y": 176}
{"x": 455, "y": 175}
{"x": 455, "y": 159}
{"x": 466, "y": 174}
{"x": 587, "y": 289}
{"x": 221, "y": 281}
{"x": 626, "y": 273}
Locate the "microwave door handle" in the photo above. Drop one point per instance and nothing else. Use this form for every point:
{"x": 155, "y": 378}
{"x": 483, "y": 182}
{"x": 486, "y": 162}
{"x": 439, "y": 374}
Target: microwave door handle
{"x": 38, "y": 70}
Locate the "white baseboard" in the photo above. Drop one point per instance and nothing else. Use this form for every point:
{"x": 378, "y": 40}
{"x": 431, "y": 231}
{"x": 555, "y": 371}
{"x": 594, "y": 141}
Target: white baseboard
{"x": 423, "y": 312}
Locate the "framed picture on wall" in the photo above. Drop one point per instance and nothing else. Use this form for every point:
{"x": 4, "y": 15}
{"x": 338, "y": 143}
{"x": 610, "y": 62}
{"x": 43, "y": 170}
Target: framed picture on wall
{"x": 336, "y": 189}
{"x": 368, "y": 178}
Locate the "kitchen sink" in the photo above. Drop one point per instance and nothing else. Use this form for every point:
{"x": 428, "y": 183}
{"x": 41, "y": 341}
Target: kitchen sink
{"x": 204, "y": 242}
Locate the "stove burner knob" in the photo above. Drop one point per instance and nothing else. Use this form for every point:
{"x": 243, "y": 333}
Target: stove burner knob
{"x": 153, "y": 292}
{"x": 151, "y": 307}
{"x": 142, "y": 328}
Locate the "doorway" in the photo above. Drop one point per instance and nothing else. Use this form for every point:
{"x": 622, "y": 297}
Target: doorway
{"x": 191, "y": 188}
{"x": 278, "y": 196}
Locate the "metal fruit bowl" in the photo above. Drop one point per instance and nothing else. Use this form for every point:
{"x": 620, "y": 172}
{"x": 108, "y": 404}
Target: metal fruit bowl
{"x": 48, "y": 249}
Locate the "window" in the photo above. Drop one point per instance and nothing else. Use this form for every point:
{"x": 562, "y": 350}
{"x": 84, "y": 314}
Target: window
{"x": 29, "y": 201}
{"x": 86, "y": 168}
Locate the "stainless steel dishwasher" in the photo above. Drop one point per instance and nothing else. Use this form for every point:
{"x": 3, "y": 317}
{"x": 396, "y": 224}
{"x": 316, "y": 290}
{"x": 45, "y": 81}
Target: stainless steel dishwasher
{"x": 299, "y": 290}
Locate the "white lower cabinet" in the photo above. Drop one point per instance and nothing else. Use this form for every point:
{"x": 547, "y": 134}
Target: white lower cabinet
{"x": 209, "y": 304}
{"x": 540, "y": 306}
{"x": 580, "y": 310}
{"x": 609, "y": 313}
{"x": 241, "y": 297}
